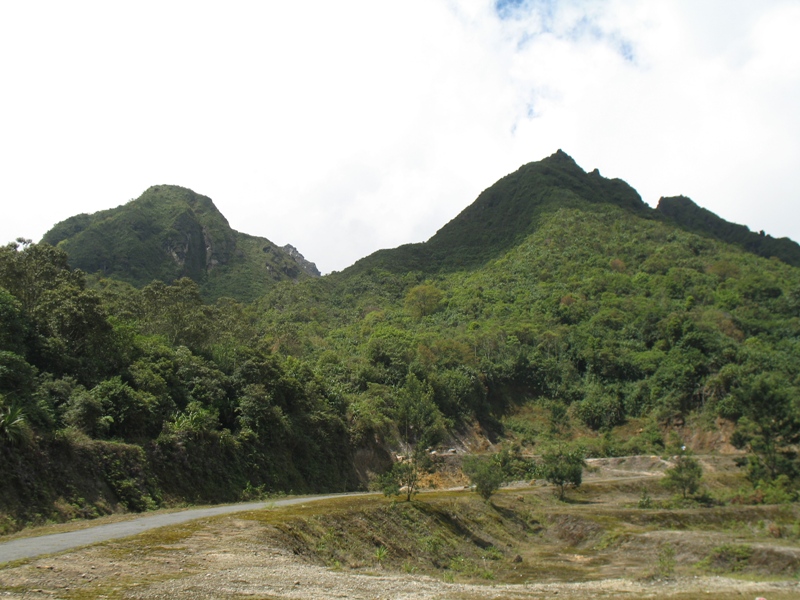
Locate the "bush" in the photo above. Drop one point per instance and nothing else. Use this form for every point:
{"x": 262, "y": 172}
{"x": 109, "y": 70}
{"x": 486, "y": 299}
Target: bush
{"x": 600, "y": 409}
{"x": 13, "y": 425}
{"x": 563, "y": 467}
{"x": 404, "y": 476}
{"x": 485, "y": 474}
{"x": 685, "y": 476}
{"x": 86, "y": 412}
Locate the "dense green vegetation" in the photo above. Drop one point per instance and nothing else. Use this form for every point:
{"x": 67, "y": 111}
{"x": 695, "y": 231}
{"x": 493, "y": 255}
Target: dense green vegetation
{"x": 504, "y": 214}
{"x": 171, "y": 232}
{"x": 556, "y": 307}
{"x": 699, "y": 220}
{"x": 158, "y": 395}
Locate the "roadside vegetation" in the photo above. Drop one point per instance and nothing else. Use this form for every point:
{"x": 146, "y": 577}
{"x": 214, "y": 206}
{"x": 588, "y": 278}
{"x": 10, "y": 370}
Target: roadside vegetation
{"x": 530, "y": 535}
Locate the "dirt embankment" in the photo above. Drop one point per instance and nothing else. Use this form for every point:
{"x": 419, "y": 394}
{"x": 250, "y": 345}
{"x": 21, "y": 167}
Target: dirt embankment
{"x": 524, "y": 544}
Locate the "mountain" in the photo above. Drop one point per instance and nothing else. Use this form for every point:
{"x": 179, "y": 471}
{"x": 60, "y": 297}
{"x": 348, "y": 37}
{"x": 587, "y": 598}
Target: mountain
{"x": 694, "y": 218}
{"x": 511, "y": 209}
{"x": 504, "y": 214}
{"x": 171, "y": 232}
{"x": 557, "y": 308}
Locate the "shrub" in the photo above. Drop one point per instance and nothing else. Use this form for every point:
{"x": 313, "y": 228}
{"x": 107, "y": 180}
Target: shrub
{"x": 404, "y": 476}
{"x": 665, "y": 566}
{"x": 563, "y": 467}
{"x": 685, "y": 476}
{"x": 485, "y": 473}
{"x": 13, "y": 425}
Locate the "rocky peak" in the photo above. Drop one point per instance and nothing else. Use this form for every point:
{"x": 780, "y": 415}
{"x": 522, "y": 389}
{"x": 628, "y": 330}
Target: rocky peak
{"x": 307, "y": 266}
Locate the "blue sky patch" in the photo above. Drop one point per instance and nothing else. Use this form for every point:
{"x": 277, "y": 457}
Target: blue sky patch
{"x": 505, "y": 9}
{"x": 539, "y": 17}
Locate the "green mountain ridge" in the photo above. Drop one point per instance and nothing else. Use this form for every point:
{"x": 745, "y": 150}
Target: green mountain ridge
{"x": 171, "y": 232}
{"x": 557, "y": 310}
{"x": 512, "y": 208}
{"x": 692, "y": 217}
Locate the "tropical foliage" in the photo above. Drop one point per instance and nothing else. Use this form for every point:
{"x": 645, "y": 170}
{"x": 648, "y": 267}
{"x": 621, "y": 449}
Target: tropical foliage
{"x": 557, "y": 306}
{"x": 170, "y": 232}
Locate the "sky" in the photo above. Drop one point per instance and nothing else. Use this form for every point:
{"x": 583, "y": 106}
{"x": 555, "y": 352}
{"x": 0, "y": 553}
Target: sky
{"x": 350, "y": 126}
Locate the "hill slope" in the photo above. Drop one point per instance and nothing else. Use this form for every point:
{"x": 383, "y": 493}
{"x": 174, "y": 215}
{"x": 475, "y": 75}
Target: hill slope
{"x": 556, "y": 308}
{"x": 694, "y": 218}
{"x": 505, "y": 213}
{"x": 171, "y": 232}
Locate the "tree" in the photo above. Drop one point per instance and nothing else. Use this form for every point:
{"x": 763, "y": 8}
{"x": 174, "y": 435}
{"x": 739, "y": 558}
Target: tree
{"x": 769, "y": 429}
{"x": 30, "y": 271}
{"x": 485, "y": 473}
{"x": 404, "y": 476}
{"x": 563, "y": 467}
{"x": 75, "y": 335}
{"x": 422, "y": 300}
{"x": 87, "y": 413}
{"x": 13, "y": 326}
{"x": 419, "y": 421}
{"x": 69, "y": 330}
{"x": 685, "y": 476}
{"x": 176, "y": 312}
{"x": 488, "y": 473}
{"x": 196, "y": 422}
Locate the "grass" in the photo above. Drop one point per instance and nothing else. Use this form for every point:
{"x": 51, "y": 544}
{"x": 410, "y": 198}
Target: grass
{"x": 524, "y": 536}
{"x": 460, "y": 538}
{"x": 78, "y": 524}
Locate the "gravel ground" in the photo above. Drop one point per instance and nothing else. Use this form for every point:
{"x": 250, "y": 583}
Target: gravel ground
{"x": 237, "y": 558}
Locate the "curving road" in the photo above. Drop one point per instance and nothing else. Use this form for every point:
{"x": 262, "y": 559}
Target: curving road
{"x": 58, "y": 542}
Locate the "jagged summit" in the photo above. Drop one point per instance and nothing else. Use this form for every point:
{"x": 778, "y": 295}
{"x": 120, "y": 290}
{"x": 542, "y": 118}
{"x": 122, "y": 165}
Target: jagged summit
{"x": 171, "y": 232}
{"x": 507, "y": 212}
{"x": 307, "y": 266}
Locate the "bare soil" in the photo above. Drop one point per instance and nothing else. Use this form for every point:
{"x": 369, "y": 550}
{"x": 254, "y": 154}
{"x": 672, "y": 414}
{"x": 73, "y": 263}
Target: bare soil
{"x": 524, "y": 544}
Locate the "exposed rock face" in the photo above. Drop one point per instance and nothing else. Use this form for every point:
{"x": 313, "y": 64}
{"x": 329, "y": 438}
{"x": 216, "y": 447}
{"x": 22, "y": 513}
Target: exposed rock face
{"x": 307, "y": 266}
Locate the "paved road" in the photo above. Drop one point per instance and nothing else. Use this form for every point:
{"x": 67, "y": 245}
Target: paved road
{"x": 58, "y": 542}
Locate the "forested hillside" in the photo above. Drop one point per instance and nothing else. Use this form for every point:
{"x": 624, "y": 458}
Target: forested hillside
{"x": 699, "y": 220}
{"x": 171, "y": 232}
{"x": 557, "y": 307}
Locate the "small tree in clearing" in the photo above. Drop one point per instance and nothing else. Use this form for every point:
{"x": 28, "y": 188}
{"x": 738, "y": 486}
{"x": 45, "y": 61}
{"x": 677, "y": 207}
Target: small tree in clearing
{"x": 685, "y": 476}
{"x": 488, "y": 473}
{"x": 419, "y": 423}
{"x": 485, "y": 473}
{"x": 404, "y": 476}
{"x": 563, "y": 467}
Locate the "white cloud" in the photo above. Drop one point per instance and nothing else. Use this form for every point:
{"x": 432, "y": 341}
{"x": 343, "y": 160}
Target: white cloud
{"x": 347, "y": 127}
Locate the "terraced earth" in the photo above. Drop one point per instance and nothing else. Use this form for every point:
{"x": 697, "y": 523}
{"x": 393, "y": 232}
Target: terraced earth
{"x": 450, "y": 544}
